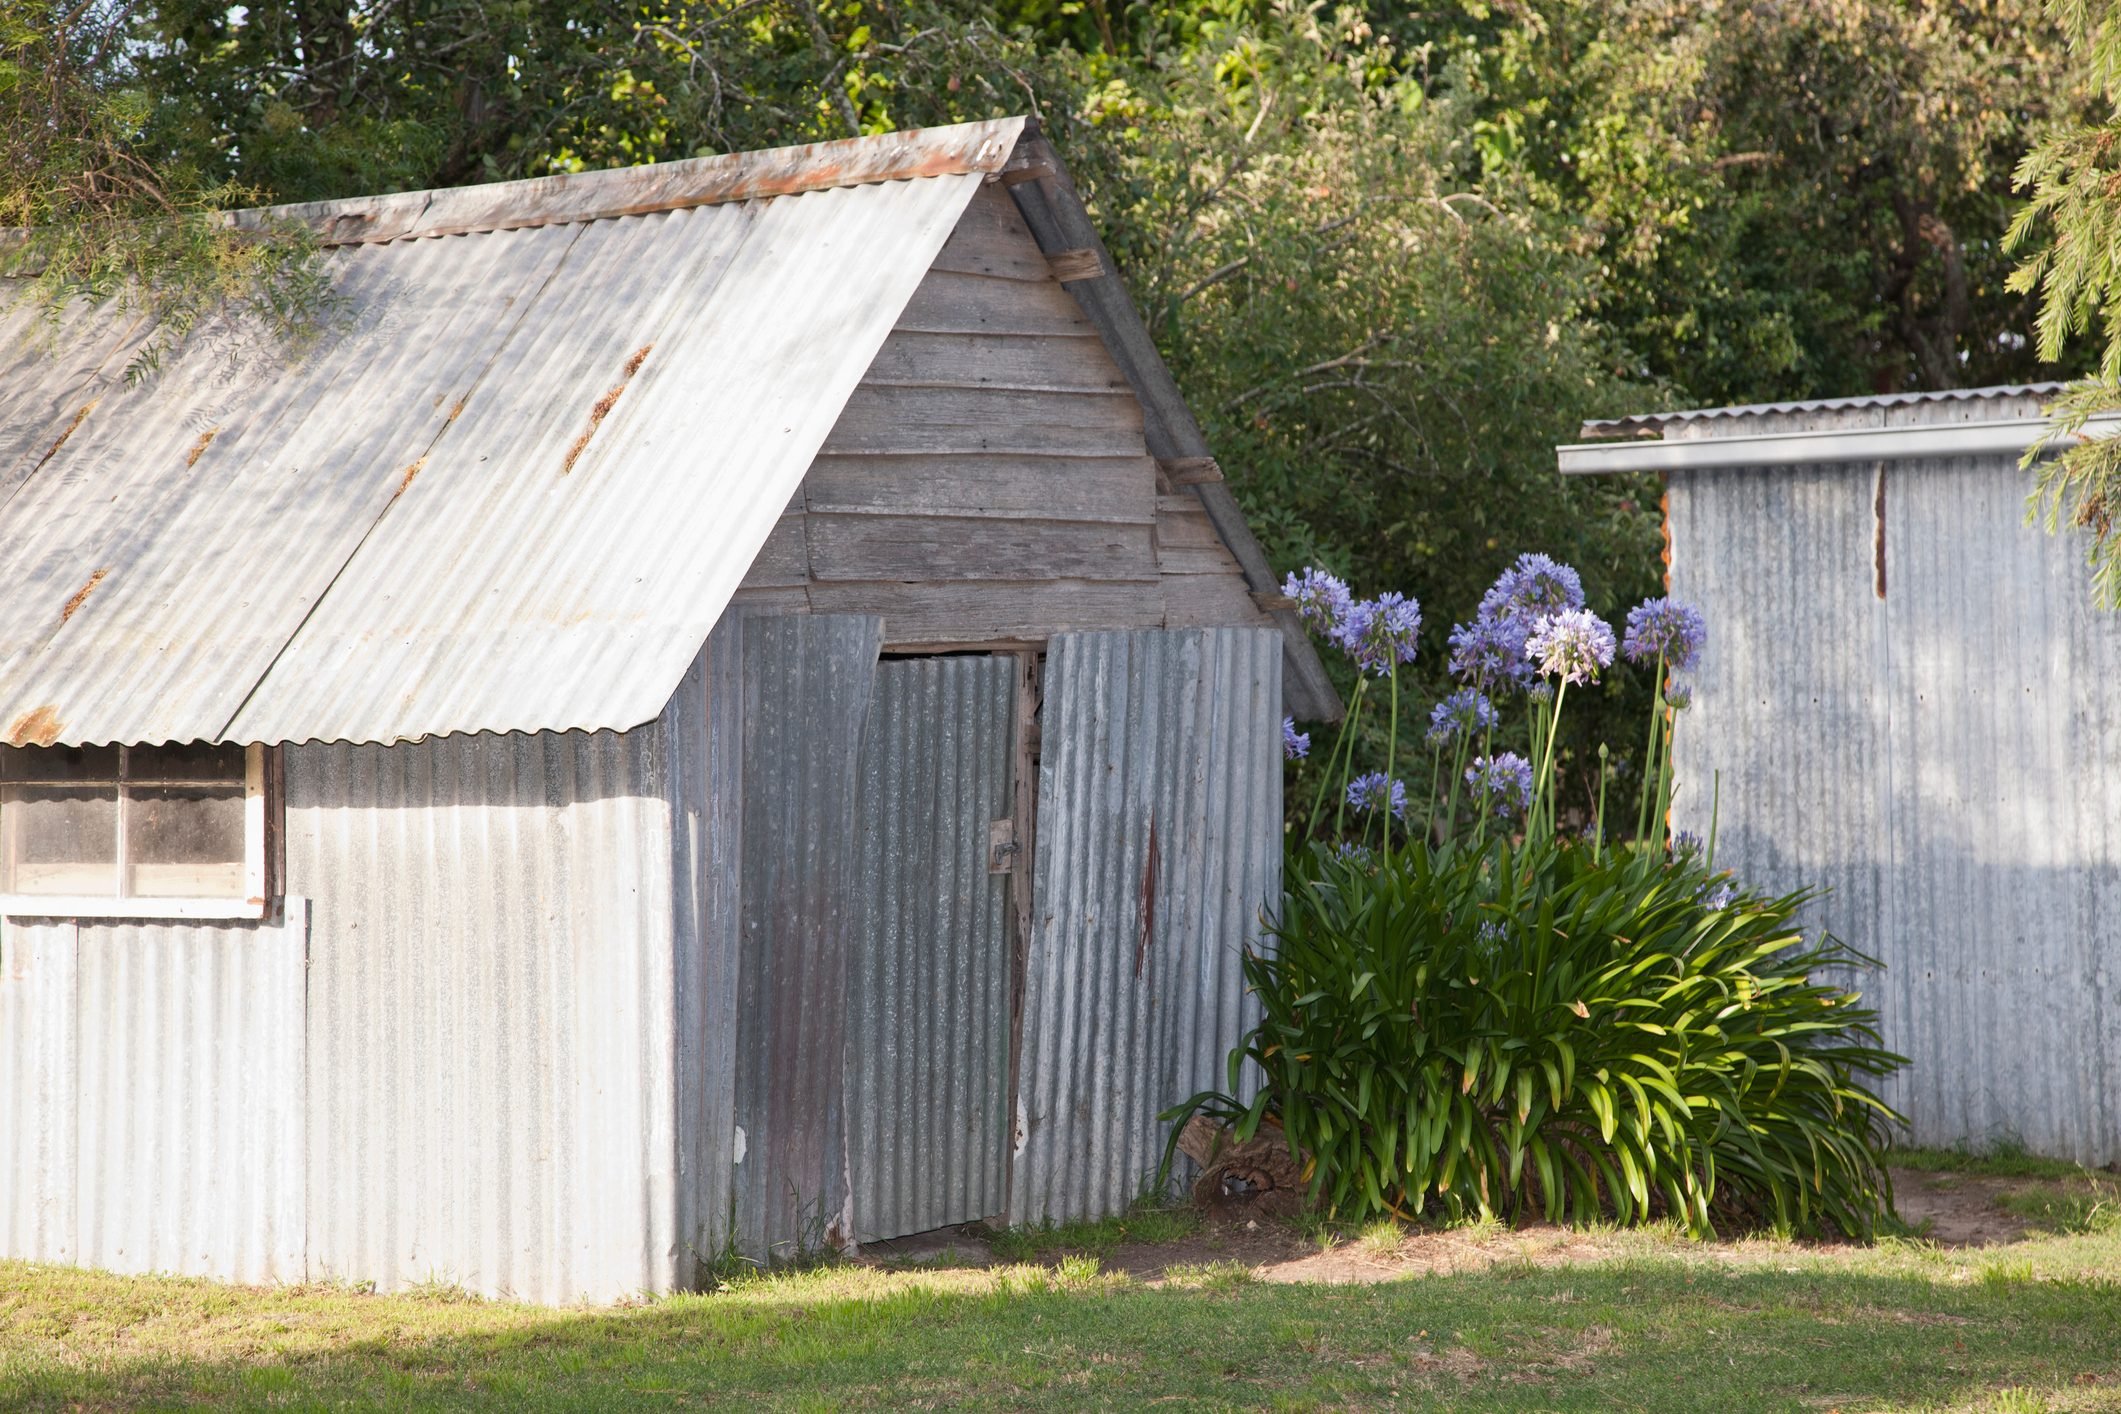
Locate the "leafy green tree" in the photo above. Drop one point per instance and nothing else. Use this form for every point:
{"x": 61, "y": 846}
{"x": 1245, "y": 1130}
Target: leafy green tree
{"x": 89, "y": 210}
{"x": 2070, "y": 231}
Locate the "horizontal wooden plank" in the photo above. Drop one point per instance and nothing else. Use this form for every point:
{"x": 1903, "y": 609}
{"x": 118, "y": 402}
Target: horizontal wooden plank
{"x": 1001, "y": 249}
{"x": 965, "y": 614}
{"x": 948, "y": 302}
{"x": 1180, "y": 520}
{"x": 941, "y": 548}
{"x": 785, "y": 558}
{"x": 1210, "y": 601}
{"x": 1199, "y": 559}
{"x": 1041, "y": 488}
{"x": 927, "y": 420}
{"x": 778, "y": 599}
{"x": 1032, "y": 362}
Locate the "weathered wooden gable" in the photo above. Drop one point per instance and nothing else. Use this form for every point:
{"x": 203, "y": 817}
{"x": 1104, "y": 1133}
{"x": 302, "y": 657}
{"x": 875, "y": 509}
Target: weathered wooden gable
{"x": 989, "y": 481}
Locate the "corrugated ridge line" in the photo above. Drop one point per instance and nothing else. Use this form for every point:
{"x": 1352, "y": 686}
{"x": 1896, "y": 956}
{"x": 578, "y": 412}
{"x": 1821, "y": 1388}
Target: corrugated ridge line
{"x": 39, "y": 1063}
{"x": 1593, "y": 426}
{"x": 190, "y": 1109}
{"x": 928, "y": 1041}
{"x": 807, "y": 688}
{"x": 491, "y": 1012}
{"x": 1135, "y": 729}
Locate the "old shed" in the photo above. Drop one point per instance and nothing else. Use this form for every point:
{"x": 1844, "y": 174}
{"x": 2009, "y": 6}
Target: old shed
{"x": 1909, "y": 697}
{"x": 723, "y": 706}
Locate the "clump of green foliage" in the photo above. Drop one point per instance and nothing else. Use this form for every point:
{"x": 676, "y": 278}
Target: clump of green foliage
{"x": 1529, "y": 1030}
{"x": 91, "y": 209}
{"x": 1469, "y": 1012}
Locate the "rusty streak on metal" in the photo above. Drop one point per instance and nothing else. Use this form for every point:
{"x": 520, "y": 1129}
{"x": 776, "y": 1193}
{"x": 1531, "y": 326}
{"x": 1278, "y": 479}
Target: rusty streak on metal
{"x": 1146, "y": 928}
{"x": 642, "y": 191}
{"x": 68, "y": 610}
{"x": 406, "y": 480}
{"x": 198, "y": 448}
{"x": 53, "y": 450}
{"x": 604, "y": 405}
{"x": 39, "y": 726}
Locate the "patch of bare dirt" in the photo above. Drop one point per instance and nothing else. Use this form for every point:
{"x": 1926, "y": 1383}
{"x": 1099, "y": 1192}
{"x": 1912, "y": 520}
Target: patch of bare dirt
{"x": 1959, "y": 1209}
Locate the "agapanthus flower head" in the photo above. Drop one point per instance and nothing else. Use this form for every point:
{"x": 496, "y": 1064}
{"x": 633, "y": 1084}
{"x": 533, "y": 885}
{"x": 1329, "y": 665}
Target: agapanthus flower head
{"x": 1322, "y": 599}
{"x": 1378, "y": 633}
{"x": 1374, "y": 789}
{"x": 1464, "y": 713}
{"x": 1490, "y": 651}
{"x": 1716, "y": 895}
{"x": 1685, "y": 844}
{"x": 1665, "y": 628}
{"x": 1349, "y": 852}
{"x": 1295, "y": 745}
{"x": 1679, "y": 696}
{"x": 1534, "y": 586}
{"x": 1503, "y": 784}
{"x": 1540, "y": 691}
{"x": 1571, "y": 644}
{"x": 1492, "y": 932}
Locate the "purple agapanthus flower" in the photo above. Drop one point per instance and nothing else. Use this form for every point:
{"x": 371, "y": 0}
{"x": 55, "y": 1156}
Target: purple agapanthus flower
{"x": 1322, "y": 599}
{"x": 1490, "y": 651}
{"x": 1535, "y": 585}
{"x": 1374, "y": 789}
{"x": 1714, "y": 896}
{"x": 1665, "y": 628}
{"x": 1378, "y": 633}
{"x": 1463, "y": 713}
{"x": 1685, "y": 844}
{"x": 1503, "y": 784}
{"x": 1349, "y": 852}
{"x": 1295, "y": 745}
{"x": 1571, "y": 644}
{"x": 1541, "y": 691}
{"x": 1492, "y": 932}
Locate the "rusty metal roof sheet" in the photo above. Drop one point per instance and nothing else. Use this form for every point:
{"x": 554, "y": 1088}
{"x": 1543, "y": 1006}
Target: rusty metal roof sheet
{"x": 511, "y": 488}
{"x": 1655, "y": 421}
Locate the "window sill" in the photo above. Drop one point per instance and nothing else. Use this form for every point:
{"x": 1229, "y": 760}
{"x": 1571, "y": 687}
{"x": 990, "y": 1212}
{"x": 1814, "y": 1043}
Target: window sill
{"x": 91, "y": 907}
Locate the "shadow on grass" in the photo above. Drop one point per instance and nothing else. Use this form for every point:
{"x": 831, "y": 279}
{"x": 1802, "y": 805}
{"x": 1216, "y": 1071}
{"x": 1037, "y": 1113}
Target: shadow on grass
{"x": 1667, "y": 1334}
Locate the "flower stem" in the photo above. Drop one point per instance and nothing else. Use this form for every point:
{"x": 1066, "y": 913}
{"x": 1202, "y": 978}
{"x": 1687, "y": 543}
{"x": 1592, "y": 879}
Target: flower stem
{"x": 1649, "y": 751}
{"x": 1542, "y": 782}
{"x": 1391, "y": 758}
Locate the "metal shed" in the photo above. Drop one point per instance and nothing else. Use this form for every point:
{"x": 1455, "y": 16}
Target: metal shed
{"x": 1909, "y": 697}
{"x": 716, "y": 707}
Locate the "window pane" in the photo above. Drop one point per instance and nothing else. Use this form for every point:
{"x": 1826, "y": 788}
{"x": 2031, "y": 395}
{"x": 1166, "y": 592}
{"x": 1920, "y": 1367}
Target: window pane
{"x": 189, "y": 762}
{"x": 58, "y": 840}
{"x": 184, "y": 842}
{"x": 58, "y": 763}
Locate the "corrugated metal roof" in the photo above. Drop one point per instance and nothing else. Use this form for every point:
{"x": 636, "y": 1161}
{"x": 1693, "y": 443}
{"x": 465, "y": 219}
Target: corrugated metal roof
{"x": 1652, "y": 421}
{"x": 483, "y": 500}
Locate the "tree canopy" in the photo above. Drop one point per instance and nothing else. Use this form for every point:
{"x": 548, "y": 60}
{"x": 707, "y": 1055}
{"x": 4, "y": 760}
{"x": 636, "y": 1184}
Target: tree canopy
{"x": 1393, "y": 253}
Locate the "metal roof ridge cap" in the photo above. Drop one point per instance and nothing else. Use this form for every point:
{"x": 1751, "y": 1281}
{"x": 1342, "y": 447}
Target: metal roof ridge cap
{"x": 1838, "y": 444}
{"x": 952, "y": 150}
{"x": 1651, "y": 421}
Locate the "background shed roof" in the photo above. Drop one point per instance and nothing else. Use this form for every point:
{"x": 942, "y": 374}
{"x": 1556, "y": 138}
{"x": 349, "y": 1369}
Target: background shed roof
{"x": 511, "y": 489}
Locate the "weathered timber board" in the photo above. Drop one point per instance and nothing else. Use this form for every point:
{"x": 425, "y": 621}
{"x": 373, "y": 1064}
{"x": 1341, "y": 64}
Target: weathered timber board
{"x": 1036, "y": 362}
{"x": 902, "y": 420}
{"x": 1042, "y": 488}
{"x": 966, "y": 613}
{"x": 873, "y": 547}
{"x": 949, "y": 303}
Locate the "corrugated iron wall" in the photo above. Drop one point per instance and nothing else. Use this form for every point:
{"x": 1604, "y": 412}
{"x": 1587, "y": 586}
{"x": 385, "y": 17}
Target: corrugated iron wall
{"x": 491, "y": 1043}
{"x": 1159, "y": 849}
{"x": 929, "y": 976}
{"x": 39, "y": 1062}
{"x": 1943, "y": 758}
{"x": 807, "y": 686}
{"x": 153, "y": 1095}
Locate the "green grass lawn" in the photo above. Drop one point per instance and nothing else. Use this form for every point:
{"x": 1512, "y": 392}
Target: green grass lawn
{"x": 1625, "y": 1321}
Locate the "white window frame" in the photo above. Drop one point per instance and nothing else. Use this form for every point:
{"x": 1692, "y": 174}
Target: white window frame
{"x": 257, "y": 879}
